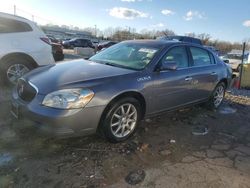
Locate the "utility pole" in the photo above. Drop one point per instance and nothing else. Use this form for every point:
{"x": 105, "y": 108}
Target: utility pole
{"x": 129, "y": 33}
{"x": 242, "y": 63}
{"x": 95, "y": 30}
{"x": 14, "y": 10}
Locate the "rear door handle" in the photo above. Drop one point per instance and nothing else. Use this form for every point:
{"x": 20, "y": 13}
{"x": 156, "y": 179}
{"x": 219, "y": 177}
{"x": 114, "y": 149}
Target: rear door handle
{"x": 188, "y": 78}
{"x": 213, "y": 73}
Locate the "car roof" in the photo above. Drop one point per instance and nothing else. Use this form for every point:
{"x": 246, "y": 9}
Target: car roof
{"x": 6, "y": 15}
{"x": 182, "y": 39}
{"x": 161, "y": 43}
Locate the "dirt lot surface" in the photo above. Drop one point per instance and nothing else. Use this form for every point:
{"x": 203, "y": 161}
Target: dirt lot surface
{"x": 163, "y": 153}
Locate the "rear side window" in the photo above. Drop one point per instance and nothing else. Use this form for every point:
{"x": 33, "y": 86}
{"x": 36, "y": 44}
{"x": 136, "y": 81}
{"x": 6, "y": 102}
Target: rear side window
{"x": 201, "y": 57}
{"x": 13, "y": 26}
{"x": 177, "y": 55}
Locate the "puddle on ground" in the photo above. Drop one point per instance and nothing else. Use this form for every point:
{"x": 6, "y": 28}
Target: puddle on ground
{"x": 226, "y": 110}
{"x": 5, "y": 158}
{"x": 135, "y": 177}
{"x": 199, "y": 131}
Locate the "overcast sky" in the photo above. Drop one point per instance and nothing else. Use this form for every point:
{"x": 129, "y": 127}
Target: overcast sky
{"x": 222, "y": 19}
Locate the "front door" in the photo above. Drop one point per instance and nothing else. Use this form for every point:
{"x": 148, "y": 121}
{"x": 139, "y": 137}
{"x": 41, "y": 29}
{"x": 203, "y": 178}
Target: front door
{"x": 172, "y": 87}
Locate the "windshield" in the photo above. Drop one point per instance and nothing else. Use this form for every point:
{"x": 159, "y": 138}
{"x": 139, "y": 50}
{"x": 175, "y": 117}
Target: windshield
{"x": 127, "y": 55}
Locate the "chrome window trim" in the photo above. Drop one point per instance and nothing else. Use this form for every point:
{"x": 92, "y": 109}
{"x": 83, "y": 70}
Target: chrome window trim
{"x": 189, "y": 68}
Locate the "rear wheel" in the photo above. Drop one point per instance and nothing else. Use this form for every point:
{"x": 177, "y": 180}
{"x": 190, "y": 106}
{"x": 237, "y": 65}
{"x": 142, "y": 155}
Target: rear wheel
{"x": 122, "y": 119}
{"x": 14, "y": 68}
{"x": 217, "y": 96}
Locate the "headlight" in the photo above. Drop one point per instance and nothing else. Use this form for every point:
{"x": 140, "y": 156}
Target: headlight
{"x": 68, "y": 98}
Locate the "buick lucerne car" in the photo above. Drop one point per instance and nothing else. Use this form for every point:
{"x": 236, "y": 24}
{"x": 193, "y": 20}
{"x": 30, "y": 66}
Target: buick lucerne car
{"x": 113, "y": 90}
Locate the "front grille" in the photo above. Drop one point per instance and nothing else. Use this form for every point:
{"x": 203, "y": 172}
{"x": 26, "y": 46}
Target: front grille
{"x": 25, "y": 91}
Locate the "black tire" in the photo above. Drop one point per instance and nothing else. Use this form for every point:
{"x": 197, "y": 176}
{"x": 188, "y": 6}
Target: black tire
{"x": 7, "y": 63}
{"x": 212, "y": 101}
{"x": 106, "y": 127}
{"x": 239, "y": 68}
{"x": 58, "y": 56}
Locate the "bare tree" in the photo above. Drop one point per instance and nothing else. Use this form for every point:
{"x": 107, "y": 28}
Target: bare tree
{"x": 166, "y": 32}
{"x": 204, "y": 37}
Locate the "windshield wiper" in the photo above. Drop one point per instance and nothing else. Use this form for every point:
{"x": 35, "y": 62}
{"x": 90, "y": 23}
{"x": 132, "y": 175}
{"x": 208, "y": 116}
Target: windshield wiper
{"x": 118, "y": 65}
{"x": 113, "y": 64}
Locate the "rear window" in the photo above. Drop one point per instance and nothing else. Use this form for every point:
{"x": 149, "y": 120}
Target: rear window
{"x": 201, "y": 57}
{"x": 13, "y": 26}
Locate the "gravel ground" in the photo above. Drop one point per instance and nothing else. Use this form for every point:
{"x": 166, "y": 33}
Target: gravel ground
{"x": 163, "y": 153}
{"x": 240, "y": 92}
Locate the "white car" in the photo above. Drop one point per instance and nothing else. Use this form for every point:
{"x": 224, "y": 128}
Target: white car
{"x": 234, "y": 60}
{"x": 23, "y": 47}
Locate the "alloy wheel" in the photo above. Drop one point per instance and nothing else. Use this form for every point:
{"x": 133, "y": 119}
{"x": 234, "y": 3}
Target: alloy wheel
{"x": 14, "y": 72}
{"x": 123, "y": 121}
{"x": 218, "y": 95}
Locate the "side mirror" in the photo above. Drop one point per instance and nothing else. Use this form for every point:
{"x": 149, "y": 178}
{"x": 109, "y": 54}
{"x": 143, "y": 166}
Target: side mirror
{"x": 168, "y": 65}
{"x": 226, "y": 61}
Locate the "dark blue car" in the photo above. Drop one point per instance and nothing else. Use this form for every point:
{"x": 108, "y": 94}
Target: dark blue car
{"x": 78, "y": 42}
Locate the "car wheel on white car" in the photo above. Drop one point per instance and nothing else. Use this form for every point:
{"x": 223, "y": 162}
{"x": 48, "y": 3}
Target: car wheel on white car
{"x": 14, "y": 68}
{"x": 122, "y": 119}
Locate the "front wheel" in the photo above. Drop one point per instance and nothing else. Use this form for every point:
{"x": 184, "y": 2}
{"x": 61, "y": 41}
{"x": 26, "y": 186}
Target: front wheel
{"x": 122, "y": 119}
{"x": 217, "y": 96}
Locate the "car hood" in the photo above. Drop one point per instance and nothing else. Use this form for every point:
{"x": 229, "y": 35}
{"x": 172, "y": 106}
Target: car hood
{"x": 51, "y": 78}
{"x": 234, "y": 61}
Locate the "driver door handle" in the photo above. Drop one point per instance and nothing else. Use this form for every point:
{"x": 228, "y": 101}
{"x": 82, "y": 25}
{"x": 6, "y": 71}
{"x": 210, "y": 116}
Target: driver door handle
{"x": 213, "y": 73}
{"x": 188, "y": 78}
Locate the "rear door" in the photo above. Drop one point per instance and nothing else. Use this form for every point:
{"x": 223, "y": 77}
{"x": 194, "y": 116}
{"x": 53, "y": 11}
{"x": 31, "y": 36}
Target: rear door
{"x": 204, "y": 72}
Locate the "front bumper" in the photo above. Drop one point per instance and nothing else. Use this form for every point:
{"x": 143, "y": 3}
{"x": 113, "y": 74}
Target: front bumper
{"x": 62, "y": 123}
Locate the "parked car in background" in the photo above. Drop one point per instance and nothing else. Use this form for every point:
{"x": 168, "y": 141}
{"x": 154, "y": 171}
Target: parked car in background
{"x": 23, "y": 47}
{"x": 57, "y": 51}
{"x": 95, "y": 42}
{"x": 57, "y": 48}
{"x": 78, "y": 42}
{"x": 53, "y": 39}
{"x": 105, "y": 45}
{"x": 234, "y": 60}
{"x": 119, "y": 86}
{"x": 181, "y": 39}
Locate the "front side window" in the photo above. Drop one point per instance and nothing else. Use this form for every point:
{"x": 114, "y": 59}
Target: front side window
{"x": 200, "y": 57}
{"x": 177, "y": 55}
{"x": 89, "y": 44}
{"x": 127, "y": 55}
{"x": 77, "y": 42}
{"x": 13, "y": 26}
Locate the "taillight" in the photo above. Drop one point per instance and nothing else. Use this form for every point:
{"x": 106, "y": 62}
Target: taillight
{"x": 46, "y": 40}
